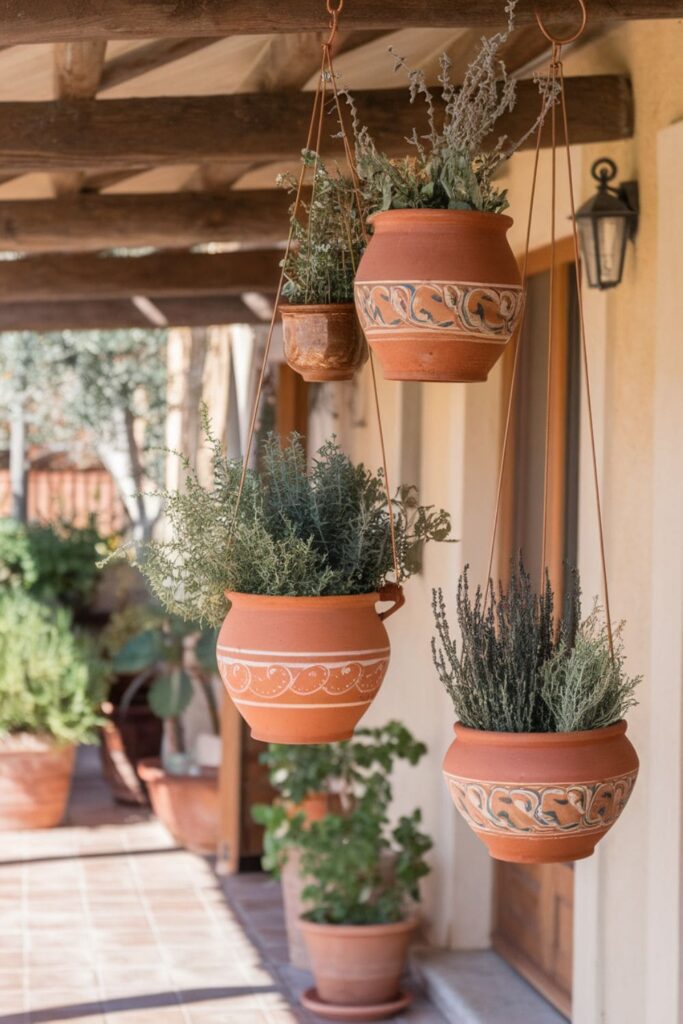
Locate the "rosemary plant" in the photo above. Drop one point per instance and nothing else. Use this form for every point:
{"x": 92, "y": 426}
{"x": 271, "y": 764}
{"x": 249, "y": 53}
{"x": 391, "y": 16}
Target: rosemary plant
{"x": 297, "y": 532}
{"x": 452, "y": 166}
{"x": 519, "y": 671}
{"x": 327, "y": 236}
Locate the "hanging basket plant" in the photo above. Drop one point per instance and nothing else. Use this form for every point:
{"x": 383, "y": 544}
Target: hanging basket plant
{"x": 438, "y": 290}
{"x": 540, "y": 767}
{"x": 322, "y": 340}
{"x": 295, "y": 563}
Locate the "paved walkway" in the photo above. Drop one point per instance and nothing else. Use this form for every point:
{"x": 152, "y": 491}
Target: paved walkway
{"x": 105, "y": 921}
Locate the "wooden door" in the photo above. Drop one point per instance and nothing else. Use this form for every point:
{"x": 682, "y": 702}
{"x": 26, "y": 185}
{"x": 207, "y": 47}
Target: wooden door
{"x": 533, "y": 904}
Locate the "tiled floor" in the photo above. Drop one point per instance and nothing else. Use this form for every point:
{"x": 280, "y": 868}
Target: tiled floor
{"x": 105, "y": 921}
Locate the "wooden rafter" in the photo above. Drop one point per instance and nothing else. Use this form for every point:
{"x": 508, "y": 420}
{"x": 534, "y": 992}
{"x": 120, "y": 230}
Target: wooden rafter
{"x": 33, "y": 21}
{"x": 157, "y": 276}
{"x": 111, "y": 134}
{"x": 77, "y": 72}
{"x": 89, "y": 222}
{"x": 119, "y": 313}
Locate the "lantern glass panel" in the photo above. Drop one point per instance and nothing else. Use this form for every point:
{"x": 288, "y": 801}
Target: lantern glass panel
{"x": 611, "y": 238}
{"x": 588, "y": 239}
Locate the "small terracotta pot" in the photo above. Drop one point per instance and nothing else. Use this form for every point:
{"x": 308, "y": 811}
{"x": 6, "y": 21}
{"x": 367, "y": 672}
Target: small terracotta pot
{"x": 538, "y": 798}
{"x": 323, "y": 342}
{"x": 187, "y": 805}
{"x": 35, "y": 777}
{"x": 438, "y": 293}
{"x": 358, "y": 965}
{"x": 304, "y": 669}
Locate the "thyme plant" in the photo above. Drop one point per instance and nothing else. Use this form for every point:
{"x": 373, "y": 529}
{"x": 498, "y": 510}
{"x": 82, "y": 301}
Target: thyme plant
{"x": 518, "y": 671}
{"x": 452, "y": 166}
{"x": 298, "y": 532}
{"x": 359, "y": 869}
{"x": 327, "y": 235}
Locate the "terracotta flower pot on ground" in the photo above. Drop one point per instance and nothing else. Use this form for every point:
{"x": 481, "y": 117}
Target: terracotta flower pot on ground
{"x": 541, "y": 797}
{"x": 35, "y": 777}
{"x": 186, "y": 804}
{"x": 438, "y": 293}
{"x": 304, "y": 669}
{"x": 125, "y": 739}
{"x": 358, "y": 966}
{"x": 323, "y": 342}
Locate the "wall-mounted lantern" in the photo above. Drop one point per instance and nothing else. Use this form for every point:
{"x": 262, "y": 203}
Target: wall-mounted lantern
{"x": 605, "y": 224}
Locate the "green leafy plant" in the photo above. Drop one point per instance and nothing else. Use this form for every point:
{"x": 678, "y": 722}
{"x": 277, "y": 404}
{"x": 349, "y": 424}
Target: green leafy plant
{"x": 519, "y": 671}
{"x": 173, "y": 657}
{"x": 327, "y": 235}
{"x": 452, "y": 166}
{"x": 298, "y": 532}
{"x": 358, "y": 868}
{"x": 56, "y": 562}
{"x": 51, "y": 681}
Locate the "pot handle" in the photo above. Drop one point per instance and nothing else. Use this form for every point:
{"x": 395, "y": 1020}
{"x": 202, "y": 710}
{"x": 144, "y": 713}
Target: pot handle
{"x": 391, "y": 592}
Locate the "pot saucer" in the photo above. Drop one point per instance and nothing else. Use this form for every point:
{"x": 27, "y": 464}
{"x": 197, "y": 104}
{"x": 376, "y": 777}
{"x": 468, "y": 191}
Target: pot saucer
{"x": 333, "y": 1011}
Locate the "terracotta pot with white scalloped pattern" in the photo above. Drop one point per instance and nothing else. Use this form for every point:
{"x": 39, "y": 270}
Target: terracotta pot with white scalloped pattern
{"x": 304, "y": 669}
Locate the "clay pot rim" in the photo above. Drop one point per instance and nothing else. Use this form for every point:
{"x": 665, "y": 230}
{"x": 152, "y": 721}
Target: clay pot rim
{"x": 281, "y": 601}
{"x": 354, "y": 931}
{"x": 150, "y": 769}
{"x": 482, "y": 738}
{"x": 491, "y": 220}
{"x": 302, "y": 308}
{"x": 25, "y": 742}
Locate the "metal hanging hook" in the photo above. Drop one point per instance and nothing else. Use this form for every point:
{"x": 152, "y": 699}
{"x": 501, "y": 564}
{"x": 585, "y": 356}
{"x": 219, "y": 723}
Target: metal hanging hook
{"x": 569, "y": 39}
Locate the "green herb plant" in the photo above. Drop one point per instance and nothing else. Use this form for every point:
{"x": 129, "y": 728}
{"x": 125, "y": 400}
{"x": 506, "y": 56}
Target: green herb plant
{"x": 51, "y": 681}
{"x": 517, "y": 670}
{"x": 327, "y": 238}
{"x": 452, "y": 166}
{"x": 358, "y": 868}
{"x": 298, "y": 532}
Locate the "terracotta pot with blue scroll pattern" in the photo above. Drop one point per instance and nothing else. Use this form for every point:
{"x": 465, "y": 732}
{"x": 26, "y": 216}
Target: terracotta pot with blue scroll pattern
{"x": 438, "y": 293}
{"x": 537, "y": 798}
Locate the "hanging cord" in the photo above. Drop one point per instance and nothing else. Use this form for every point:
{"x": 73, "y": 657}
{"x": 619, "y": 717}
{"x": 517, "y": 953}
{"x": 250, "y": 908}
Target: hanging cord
{"x": 317, "y": 117}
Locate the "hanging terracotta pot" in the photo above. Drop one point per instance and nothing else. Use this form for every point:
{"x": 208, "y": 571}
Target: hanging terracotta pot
{"x": 357, "y": 969}
{"x": 323, "y": 342}
{"x": 438, "y": 293}
{"x": 187, "y": 805}
{"x": 35, "y": 777}
{"x": 537, "y": 798}
{"x": 304, "y": 669}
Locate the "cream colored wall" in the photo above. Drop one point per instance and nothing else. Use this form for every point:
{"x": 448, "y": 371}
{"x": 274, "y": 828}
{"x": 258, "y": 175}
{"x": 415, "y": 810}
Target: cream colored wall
{"x": 628, "y": 944}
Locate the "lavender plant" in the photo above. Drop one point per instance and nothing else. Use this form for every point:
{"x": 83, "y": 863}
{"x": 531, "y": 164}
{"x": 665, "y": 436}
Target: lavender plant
{"x": 453, "y": 165}
{"x": 518, "y": 671}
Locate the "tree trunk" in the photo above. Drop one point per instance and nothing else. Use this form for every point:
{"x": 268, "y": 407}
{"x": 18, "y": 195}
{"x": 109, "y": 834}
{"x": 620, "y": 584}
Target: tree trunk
{"x": 17, "y": 461}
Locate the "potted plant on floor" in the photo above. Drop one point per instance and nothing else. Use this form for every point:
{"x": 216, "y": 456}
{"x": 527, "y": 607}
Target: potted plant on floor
{"x": 177, "y": 659}
{"x": 51, "y": 685}
{"x": 438, "y": 290}
{"x": 540, "y": 767}
{"x": 299, "y": 571}
{"x": 362, "y": 879}
{"x": 322, "y": 341}
{"x": 311, "y": 782}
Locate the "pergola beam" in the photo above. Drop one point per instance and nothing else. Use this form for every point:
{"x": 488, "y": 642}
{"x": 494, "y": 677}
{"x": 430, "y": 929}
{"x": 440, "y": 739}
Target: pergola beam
{"x": 36, "y": 21}
{"x": 121, "y": 313}
{"x": 113, "y": 134}
{"x": 90, "y": 222}
{"x": 160, "y": 275}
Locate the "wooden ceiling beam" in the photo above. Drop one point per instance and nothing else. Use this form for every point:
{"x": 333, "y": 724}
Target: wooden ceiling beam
{"x": 120, "y": 313}
{"x": 157, "y": 276}
{"x": 114, "y": 134}
{"x": 88, "y": 222}
{"x": 40, "y": 21}
{"x": 77, "y": 72}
